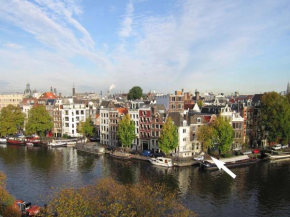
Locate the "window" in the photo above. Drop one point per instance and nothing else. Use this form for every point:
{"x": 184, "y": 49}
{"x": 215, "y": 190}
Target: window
{"x": 184, "y": 139}
{"x": 77, "y": 113}
{"x": 184, "y": 130}
{"x": 198, "y": 120}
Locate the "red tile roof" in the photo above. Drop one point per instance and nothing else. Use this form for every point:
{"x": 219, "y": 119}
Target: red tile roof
{"x": 47, "y": 95}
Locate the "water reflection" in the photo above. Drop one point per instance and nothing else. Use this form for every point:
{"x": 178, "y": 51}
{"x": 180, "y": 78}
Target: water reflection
{"x": 259, "y": 189}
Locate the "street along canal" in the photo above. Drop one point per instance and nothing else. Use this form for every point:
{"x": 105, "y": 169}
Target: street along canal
{"x": 259, "y": 189}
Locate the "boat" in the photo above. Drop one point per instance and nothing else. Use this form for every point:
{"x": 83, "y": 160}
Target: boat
{"x": 237, "y": 161}
{"x": 30, "y": 144}
{"x": 275, "y": 155}
{"x": 27, "y": 209}
{"x": 161, "y": 161}
{"x": 121, "y": 155}
{"x": 15, "y": 141}
{"x": 94, "y": 139}
{"x": 56, "y": 144}
{"x": 33, "y": 139}
{"x": 3, "y": 140}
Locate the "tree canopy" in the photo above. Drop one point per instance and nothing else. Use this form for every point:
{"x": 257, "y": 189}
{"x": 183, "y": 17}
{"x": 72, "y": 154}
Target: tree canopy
{"x": 275, "y": 117}
{"x": 205, "y": 135}
{"x": 11, "y": 120}
{"x": 223, "y": 134}
{"x": 220, "y": 132}
{"x": 126, "y": 130}
{"x": 87, "y": 128}
{"x": 135, "y": 93}
{"x": 39, "y": 121}
{"x": 169, "y": 137}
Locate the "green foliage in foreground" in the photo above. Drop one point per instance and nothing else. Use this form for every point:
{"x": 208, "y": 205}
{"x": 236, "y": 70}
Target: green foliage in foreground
{"x": 169, "y": 137}
{"x": 39, "y": 121}
{"x": 11, "y": 120}
{"x": 87, "y": 128}
{"x": 275, "y": 117}
{"x": 108, "y": 198}
{"x": 126, "y": 131}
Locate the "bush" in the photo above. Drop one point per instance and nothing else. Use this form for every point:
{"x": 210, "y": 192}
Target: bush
{"x": 226, "y": 155}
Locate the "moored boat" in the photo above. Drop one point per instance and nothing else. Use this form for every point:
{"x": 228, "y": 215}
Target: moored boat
{"x": 121, "y": 155}
{"x": 3, "y": 140}
{"x": 161, "y": 161}
{"x": 56, "y": 144}
{"x": 275, "y": 155}
{"x": 15, "y": 141}
{"x": 237, "y": 161}
{"x": 34, "y": 139}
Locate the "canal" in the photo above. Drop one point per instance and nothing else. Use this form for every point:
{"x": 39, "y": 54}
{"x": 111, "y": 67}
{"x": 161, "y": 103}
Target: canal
{"x": 262, "y": 189}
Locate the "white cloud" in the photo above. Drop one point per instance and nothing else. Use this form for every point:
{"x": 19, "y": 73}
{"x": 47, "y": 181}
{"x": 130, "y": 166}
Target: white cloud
{"x": 127, "y": 22}
{"x": 13, "y": 46}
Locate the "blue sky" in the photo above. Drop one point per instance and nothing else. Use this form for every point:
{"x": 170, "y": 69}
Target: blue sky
{"x": 161, "y": 45}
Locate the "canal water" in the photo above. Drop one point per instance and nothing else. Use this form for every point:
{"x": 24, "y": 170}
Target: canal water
{"x": 262, "y": 189}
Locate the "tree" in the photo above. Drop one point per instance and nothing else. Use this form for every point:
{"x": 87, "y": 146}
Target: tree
{"x": 205, "y": 135}
{"x": 223, "y": 134}
{"x": 200, "y": 103}
{"x": 11, "y": 120}
{"x": 87, "y": 128}
{"x": 126, "y": 131}
{"x": 169, "y": 137}
{"x": 275, "y": 117}
{"x": 6, "y": 200}
{"x": 135, "y": 93}
{"x": 39, "y": 121}
{"x": 109, "y": 198}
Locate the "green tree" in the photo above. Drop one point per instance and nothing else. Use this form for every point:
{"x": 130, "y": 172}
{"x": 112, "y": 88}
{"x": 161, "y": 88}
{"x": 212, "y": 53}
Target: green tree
{"x": 135, "y": 93}
{"x": 200, "y": 103}
{"x": 87, "y": 128}
{"x": 205, "y": 135}
{"x": 223, "y": 134}
{"x": 275, "y": 117}
{"x": 126, "y": 131}
{"x": 11, "y": 120}
{"x": 169, "y": 137}
{"x": 39, "y": 121}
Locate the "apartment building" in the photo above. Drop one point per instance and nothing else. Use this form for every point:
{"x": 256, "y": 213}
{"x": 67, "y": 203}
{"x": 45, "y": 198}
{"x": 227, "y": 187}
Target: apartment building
{"x": 10, "y": 99}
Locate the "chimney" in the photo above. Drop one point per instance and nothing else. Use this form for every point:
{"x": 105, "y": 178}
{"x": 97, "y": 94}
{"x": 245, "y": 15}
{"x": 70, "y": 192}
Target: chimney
{"x": 54, "y": 91}
{"x": 59, "y": 95}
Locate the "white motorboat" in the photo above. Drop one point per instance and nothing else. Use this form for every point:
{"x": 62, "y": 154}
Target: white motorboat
{"x": 3, "y": 140}
{"x": 55, "y": 144}
{"x": 279, "y": 155}
{"x": 161, "y": 161}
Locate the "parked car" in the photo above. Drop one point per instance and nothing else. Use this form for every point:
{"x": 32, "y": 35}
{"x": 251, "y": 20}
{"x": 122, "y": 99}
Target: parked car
{"x": 247, "y": 152}
{"x": 256, "y": 151}
{"x": 159, "y": 154}
{"x": 147, "y": 153}
{"x": 277, "y": 147}
{"x": 199, "y": 158}
{"x": 285, "y": 146}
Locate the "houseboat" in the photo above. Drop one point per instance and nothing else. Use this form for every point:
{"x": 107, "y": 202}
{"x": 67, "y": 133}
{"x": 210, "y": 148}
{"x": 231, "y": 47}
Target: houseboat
{"x": 237, "y": 161}
{"x": 161, "y": 161}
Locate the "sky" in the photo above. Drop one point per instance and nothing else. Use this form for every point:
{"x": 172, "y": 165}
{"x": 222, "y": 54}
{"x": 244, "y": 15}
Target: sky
{"x": 159, "y": 45}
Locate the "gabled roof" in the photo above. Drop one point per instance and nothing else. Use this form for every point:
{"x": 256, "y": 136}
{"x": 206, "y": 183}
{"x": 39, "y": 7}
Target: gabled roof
{"x": 176, "y": 118}
{"x": 47, "y": 95}
{"x": 257, "y": 98}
